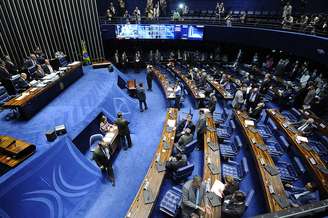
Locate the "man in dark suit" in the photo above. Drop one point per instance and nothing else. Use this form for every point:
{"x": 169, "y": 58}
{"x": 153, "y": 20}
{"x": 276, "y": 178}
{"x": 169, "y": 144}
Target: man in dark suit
{"x": 10, "y": 66}
{"x": 101, "y": 155}
{"x": 123, "y": 131}
{"x": 234, "y": 205}
{"x": 185, "y": 139}
{"x": 231, "y": 185}
{"x": 22, "y": 83}
{"x": 193, "y": 196}
{"x": 212, "y": 102}
{"x": 200, "y": 128}
{"x": 183, "y": 125}
{"x": 47, "y": 68}
{"x": 150, "y": 77}
{"x": 174, "y": 163}
{"x": 5, "y": 79}
{"x": 256, "y": 112}
{"x": 141, "y": 97}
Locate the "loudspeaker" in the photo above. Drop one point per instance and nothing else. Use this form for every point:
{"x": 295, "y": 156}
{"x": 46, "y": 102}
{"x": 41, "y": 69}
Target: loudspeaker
{"x": 51, "y": 135}
{"x": 60, "y": 130}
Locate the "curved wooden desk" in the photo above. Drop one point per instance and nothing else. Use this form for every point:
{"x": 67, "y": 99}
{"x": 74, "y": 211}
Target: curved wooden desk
{"x": 270, "y": 183}
{"x": 138, "y": 208}
{"x": 313, "y": 161}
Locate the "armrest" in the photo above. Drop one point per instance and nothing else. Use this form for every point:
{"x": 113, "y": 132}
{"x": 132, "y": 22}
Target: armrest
{"x": 249, "y": 197}
{"x": 245, "y": 166}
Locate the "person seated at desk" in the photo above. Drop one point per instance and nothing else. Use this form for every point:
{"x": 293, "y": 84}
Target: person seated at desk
{"x": 39, "y": 73}
{"x": 265, "y": 84}
{"x": 47, "y": 68}
{"x": 22, "y": 83}
{"x": 212, "y": 103}
{"x": 300, "y": 196}
{"x": 176, "y": 162}
{"x": 101, "y": 155}
{"x": 104, "y": 125}
{"x": 184, "y": 139}
{"x": 238, "y": 100}
{"x": 231, "y": 185}
{"x": 224, "y": 80}
{"x": 234, "y": 205}
{"x": 193, "y": 196}
{"x": 183, "y": 126}
{"x": 256, "y": 112}
{"x": 304, "y": 126}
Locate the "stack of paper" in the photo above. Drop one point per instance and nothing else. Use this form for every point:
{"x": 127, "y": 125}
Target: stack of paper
{"x": 218, "y": 188}
{"x": 249, "y": 123}
{"x": 302, "y": 139}
{"x": 171, "y": 123}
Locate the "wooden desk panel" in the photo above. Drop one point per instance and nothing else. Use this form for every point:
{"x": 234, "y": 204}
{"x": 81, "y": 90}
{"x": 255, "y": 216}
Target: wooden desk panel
{"x": 14, "y": 151}
{"x": 254, "y": 138}
{"x": 214, "y": 156}
{"x": 220, "y": 89}
{"x": 34, "y": 99}
{"x": 138, "y": 208}
{"x": 320, "y": 177}
{"x": 164, "y": 82}
{"x": 189, "y": 83}
{"x": 132, "y": 85}
{"x": 33, "y": 92}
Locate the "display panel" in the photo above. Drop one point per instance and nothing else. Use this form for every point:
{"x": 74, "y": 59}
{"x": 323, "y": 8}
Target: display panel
{"x": 159, "y": 31}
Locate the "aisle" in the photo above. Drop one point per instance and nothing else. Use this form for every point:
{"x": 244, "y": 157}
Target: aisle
{"x": 130, "y": 166}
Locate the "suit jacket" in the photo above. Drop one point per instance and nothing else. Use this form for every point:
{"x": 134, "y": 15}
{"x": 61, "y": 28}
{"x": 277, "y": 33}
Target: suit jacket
{"x": 177, "y": 164}
{"x": 22, "y": 85}
{"x": 123, "y": 126}
{"x": 184, "y": 140}
{"x": 231, "y": 208}
{"x": 141, "y": 94}
{"x": 188, "y": 205}
{"x": 201, "y": 125}
{"x": 212, "y": 104}
{"x": 4, "y": 74}
{"x": 149, "y": 76}
{"x": 100, "y": 157}
{"x": 182, "y": 124}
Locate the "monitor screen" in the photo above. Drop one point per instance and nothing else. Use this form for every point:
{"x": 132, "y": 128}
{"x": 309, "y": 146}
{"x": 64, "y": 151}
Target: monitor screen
{"x": 159, "y": 31}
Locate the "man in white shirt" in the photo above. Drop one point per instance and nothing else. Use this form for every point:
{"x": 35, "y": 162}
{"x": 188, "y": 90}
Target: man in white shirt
{"x": 178, "y": 92}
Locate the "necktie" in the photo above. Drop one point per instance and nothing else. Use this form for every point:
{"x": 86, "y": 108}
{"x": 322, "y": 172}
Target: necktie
{"x": 197, "y": 196}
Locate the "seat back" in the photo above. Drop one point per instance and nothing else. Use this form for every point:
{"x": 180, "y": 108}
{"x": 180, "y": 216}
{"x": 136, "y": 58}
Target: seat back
{"x": 231, "y": 168}
{"x": 171, "y": 202}
{"x": 238, "y": 142}
{"x": 94, "y": 140}
{"x": 183, "y": 172}
{"x": 296, "y": 113}
{"x": 299, "y": 165}
{"x": 190, "y": 147}
{"x": 283, "y": 142}
{"x": 287, "y": 171}
{"x": 249, "y": 197}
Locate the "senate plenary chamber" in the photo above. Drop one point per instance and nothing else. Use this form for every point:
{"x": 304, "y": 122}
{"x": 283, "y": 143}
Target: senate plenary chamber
{"x": 163, "y": 108}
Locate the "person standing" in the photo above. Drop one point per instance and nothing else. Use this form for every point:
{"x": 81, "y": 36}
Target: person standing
{"x": 123, "y": 131}
{"x": 101, "y": 155}
{"x": 238, "y": 100}
{"x": 212, "y": 102}
{"x": 150, "y": 77}
{"x": 178, "y": 92}
{"x": 5, "y": 79}
{"x": 141, "y": 97}
{"x": 200, "y": 128}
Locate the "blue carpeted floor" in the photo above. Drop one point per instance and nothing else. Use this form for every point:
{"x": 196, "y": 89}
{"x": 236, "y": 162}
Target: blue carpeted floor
{"x": 80, "y": 104}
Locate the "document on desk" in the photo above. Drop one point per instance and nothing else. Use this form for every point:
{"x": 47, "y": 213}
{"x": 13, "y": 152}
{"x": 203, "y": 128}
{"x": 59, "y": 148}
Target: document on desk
{"x": 108, "y": 137}
{"x": 22, "y": 96}
{"x": 249, "y": 123}
{"x": 300, "y": 139}
{"x": 171, "y": 123}
{"x": 218, "y": 188}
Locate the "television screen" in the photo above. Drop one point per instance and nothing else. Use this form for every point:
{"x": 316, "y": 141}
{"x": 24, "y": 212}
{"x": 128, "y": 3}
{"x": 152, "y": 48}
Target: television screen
{"x": 159, "y": 31}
